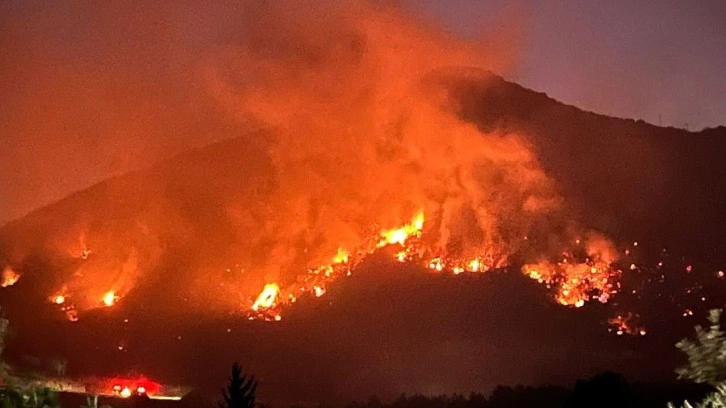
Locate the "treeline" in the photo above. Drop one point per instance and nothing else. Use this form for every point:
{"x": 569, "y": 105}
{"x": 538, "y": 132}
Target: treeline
{"x": 706, "y": 370}
{"x": 603, "y": 390}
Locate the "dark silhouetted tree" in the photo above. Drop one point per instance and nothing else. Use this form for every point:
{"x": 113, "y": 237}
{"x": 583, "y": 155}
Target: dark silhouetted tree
{"x": 3, "y": 332}
{"x": 14, "y": 394}
{"x": 240, "y": 393}
{"x": 604, "y": 390}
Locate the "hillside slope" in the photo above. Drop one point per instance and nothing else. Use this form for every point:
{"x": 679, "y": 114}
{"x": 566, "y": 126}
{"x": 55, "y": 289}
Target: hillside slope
{"x": 202, "y": 209}
{"x": 179, "y": 242}
{"x": 626, "y": 177}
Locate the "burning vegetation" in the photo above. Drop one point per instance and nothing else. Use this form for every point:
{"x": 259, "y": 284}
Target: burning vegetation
{"x": 9, "y": 277}
{"x": 362, "y": 149}
{"x": 573, "y": 283}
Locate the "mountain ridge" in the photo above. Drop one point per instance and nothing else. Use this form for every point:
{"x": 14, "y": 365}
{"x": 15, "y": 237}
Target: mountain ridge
{"x": 182, "y": 217}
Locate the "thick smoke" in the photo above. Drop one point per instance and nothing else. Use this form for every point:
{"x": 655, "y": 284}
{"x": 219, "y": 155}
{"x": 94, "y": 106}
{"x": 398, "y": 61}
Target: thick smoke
{"x": 359, "y": 135}
{"x": 366, "y": 136}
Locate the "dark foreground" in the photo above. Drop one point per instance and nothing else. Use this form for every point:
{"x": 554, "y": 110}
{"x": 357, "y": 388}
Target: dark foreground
{"x": 603, "y": 390}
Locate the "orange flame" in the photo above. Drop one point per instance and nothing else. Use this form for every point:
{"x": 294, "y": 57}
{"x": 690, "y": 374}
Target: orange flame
{"x": 9, "y": 277}
{"x": 319, "y": 291}
{"x": 436, "y": 264}
{"x": 266, "y": 299}
{"x": 61, "y": 299}
{"x": 270, "y": 301}
{"x": 576, "y": 282}
{"x": 341, "y": 257}
{"x": 626, "y": 324}
{"x": 401, "y": 235}
{"x": 475, "y": 265}
{"x": 110, "y": 298}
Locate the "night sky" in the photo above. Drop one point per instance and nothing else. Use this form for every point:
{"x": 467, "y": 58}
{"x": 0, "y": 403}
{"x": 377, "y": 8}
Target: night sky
{"x": 620, "y": 58}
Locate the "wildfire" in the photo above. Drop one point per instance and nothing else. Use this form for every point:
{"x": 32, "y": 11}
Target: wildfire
{"x": 341, "y": 257}
{"x": 626, "y": 324}
{"x": 270, "y": 301}
{"x": 109, "y": 299}
{"x": 9, "y": 277}
{"x": 266, "y": 299}
{"x": 576, "y": 282}
{"x": 436, "y": 264}
{"x": 61, "y": 299}
{"x": 401, "y": 235}
{"x": 71, "y": 314}
{"x": 581, "y": 275}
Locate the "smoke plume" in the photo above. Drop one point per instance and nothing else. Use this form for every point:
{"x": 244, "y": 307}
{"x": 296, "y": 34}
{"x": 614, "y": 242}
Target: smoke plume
{"x": 365, "y": 135}
{"x": 359, "y": 134}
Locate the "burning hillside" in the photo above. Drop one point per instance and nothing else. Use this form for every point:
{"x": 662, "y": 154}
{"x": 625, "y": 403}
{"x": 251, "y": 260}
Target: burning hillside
{"x": 362, "y": 135}
{"x": 574, "y": 283}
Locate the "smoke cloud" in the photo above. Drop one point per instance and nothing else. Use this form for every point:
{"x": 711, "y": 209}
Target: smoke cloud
{"x": 359, "y": 134}
{"x": 366, "y": 136}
